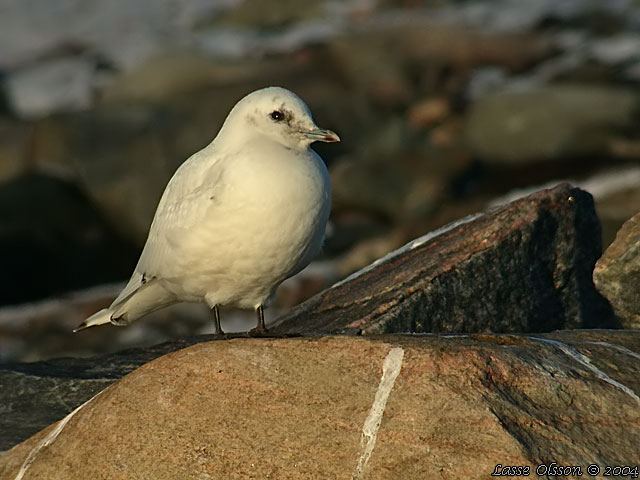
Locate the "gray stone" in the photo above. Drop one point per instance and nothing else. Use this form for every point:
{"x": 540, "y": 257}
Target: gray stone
{"x": 553, "y": 123}
{"x": 522, "y": 267}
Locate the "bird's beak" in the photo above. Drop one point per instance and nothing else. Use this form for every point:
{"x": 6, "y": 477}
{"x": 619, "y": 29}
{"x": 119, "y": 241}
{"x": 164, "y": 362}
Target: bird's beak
{"x": 321, "y": 135}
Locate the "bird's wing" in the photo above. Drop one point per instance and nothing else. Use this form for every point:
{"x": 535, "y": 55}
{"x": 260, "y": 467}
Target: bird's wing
{"x": 184, "y": 203}
{"x": 187, "y": 199}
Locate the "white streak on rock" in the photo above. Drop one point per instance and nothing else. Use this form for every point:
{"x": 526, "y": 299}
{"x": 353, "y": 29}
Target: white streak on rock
{"x": 49, "y": 439}
{"x": 586, "y": 361}
{"x": 390, "y": 370}
{"x": 409, "y": 246}
{"x": 618, "y": 347}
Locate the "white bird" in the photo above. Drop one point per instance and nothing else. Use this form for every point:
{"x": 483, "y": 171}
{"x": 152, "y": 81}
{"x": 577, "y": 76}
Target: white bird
{"x": 237, "y": 218}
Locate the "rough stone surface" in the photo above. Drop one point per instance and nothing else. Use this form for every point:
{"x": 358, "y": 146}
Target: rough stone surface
{"x": 33, "y": 395}
{"x": 617, "y": 273}
{"x": 522, "y": 267}
{"x": 295, "y": 408}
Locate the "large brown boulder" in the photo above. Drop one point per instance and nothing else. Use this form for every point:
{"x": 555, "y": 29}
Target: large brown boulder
{"x": 35, "y": 394}
{"x": 382, "y": 407}
{"x": 523, "y": 267}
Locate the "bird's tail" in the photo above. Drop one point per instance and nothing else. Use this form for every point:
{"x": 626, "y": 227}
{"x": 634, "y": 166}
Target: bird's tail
{"x": 125, "y": 309}
{"x": 98, "y": 318}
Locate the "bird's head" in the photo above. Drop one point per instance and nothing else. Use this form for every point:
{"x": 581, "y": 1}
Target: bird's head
{"x": 278, "y": 114}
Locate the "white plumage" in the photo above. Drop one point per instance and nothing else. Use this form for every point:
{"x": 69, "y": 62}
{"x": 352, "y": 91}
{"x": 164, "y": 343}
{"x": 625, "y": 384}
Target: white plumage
{"x": 238, "y": 217}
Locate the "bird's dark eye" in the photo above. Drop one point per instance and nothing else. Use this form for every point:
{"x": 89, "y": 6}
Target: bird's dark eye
{"x": 277, "y": 115}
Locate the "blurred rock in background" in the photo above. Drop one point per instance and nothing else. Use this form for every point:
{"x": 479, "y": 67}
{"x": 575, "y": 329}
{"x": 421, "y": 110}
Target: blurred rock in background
{"x": 444, "y": 107}
{"x": 617, "y": 274}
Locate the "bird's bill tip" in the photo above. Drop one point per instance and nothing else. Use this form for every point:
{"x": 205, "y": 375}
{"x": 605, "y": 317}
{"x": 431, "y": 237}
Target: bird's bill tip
{"x": 322, "y": 135}
{"x": 82, "y": 326}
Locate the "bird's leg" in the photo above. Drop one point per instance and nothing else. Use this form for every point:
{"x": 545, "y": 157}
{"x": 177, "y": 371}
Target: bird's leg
{"x": 260, "y": 329}
{"x": 216, "y": 318}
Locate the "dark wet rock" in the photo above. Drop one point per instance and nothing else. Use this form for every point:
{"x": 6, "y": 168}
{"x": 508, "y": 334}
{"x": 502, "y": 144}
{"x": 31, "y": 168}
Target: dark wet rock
{"x": 617, "y": 274}
{"x": 295, "y": 408}
{"x": 53, "y": 239}
{"x": 31, "y": 401}
{"x": 15, "y": 143}
{"x": 522, "y": 267}
{"x": 553, "y": 123}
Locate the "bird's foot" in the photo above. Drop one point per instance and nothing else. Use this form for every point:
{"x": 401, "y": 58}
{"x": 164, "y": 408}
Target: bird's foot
{"x": 260, "y": 332}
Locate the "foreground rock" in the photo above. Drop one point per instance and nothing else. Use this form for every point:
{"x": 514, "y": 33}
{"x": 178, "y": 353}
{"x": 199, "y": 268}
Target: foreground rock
{"x": 34, "y": 395}
{"x": 295, "y": 408}
{"x": 617, "y": 273}
{"x": 522, "y": 267}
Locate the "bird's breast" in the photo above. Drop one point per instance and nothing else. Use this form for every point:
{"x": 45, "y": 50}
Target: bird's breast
{"x": 276, "y": 205}
{"x": 281, "y": 182}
